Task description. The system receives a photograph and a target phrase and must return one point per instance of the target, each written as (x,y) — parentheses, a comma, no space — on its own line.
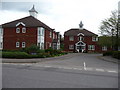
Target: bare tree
(109,26)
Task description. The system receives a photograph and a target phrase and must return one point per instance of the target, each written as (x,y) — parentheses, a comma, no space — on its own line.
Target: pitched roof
(75,32)
(29,21)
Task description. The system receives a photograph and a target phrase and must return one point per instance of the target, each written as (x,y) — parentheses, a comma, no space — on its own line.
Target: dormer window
(17,30)
(24,30)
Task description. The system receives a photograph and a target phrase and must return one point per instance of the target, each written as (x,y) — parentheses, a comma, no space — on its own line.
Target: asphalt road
(73,71)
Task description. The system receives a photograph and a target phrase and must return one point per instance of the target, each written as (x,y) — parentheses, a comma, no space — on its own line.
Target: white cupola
(33,12)
(81,25)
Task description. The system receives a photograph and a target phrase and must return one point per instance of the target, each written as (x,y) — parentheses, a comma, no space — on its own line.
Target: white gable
(20,23)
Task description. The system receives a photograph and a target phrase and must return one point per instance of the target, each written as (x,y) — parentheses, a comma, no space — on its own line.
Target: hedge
(115,54)
(15,55)
(23,55)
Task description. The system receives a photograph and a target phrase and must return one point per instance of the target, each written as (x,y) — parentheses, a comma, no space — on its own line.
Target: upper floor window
(94,38)
(50,34)
(17,44)
(24,30)
(53,36)
(104,48)
(71,46)
(17,30)
(42,31)
(91,47)
(23,44)
(80,38)
(71,38)
(1,31)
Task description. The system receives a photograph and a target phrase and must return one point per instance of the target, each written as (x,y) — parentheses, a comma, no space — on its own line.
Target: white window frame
(104,48)
(53,36)
(1,31)
(50,45)
(23,44)
(17,44)
(71,47)
(94,38)
(23,30)
(71,38)
(50,34)
(91,47)
(17,30)
(1,45)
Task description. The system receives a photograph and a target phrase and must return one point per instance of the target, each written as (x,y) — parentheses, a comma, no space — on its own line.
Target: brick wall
(11,37)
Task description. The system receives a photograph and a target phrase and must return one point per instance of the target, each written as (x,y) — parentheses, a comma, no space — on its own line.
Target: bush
(32,52)
(116,54)
(108,53)
(31,49)
(15,55)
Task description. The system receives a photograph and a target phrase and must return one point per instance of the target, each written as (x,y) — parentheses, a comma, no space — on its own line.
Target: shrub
(108,53)
(15,55)
(116,54)
(31,49)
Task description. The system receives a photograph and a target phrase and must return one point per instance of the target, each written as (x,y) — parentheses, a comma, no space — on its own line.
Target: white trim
(20,23)
(71,47)
(71,38)
(80,45)
(17,44)
(81,34)
(84,45)
(104,48)
(91,47)
(23,44)
(17,30)
(23,30)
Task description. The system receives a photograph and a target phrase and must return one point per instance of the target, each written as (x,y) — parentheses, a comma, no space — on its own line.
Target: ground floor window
(17,44)
(91,47)
(1,45)
(23,44)
(54,46)
(104,48)
(71,46)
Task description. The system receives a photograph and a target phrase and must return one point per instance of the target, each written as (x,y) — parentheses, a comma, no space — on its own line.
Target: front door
(80,46)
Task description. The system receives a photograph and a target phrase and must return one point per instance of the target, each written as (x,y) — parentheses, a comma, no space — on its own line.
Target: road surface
(76,70)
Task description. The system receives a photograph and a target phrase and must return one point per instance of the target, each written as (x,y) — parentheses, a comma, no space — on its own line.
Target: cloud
(41,7)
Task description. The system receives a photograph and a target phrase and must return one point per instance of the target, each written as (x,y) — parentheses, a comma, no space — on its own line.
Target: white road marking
(99,69)
(47,66)
(89,69)
(60,67)
(112,71)
(84,65)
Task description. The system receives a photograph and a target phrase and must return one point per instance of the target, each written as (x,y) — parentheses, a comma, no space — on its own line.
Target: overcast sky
(61,15)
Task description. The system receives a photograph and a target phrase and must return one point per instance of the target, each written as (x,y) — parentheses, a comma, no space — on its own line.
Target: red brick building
(81,40)
(27,31)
